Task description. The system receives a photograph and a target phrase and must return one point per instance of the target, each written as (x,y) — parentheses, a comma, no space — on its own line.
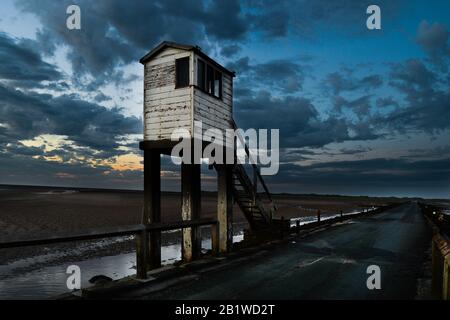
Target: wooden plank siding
(165,108)
(214,113)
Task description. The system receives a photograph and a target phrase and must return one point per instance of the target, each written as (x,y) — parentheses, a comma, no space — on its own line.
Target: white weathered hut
(182,85)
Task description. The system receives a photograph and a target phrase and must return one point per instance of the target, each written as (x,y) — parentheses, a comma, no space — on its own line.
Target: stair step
(243,194)
(252,210)
(246,198)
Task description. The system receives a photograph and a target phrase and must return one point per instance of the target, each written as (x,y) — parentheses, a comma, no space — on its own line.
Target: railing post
(225,207)
(152,204)
(190,210)
(141,254)
(446,279)
(437,270)
(255,184)
(282,227)
(215,245)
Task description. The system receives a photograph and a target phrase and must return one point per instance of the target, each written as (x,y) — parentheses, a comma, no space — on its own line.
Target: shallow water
(49,282)
(311,219)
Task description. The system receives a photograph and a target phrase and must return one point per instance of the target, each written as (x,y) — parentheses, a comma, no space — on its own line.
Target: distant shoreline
(136,191)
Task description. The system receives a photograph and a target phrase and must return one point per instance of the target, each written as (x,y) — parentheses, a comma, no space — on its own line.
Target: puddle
(49,282)
(311,219)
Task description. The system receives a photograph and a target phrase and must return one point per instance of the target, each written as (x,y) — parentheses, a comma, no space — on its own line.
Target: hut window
(217,84)
(209,79)
(182,72)
(201,69)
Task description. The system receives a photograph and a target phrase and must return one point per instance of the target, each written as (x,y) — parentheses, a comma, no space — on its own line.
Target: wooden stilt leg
(191,209)
(225,208)
(152,204)
(141,255)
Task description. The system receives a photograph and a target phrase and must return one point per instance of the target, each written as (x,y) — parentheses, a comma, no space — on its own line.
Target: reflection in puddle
(310,219)
(51,281)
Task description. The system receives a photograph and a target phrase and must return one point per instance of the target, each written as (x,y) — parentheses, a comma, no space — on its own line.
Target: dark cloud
(230,50)
(386,102)
(101,97)
(16,168)
(426,105)
(28,115)
(354,151)
(283,75)
(22,62)
(412,75)
(371,177)
(273,23)
(306,18)
(433,38)
(299,121)
(340,82)
(115,32)
(360,106)
(437,152)
(224,20)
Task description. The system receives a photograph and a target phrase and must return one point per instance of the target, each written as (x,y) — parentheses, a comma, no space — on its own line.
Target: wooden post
(191,209)
(152,205)
(225,207)
(141,255)
(215,245)
(255,186)
(446,280)
(436,270)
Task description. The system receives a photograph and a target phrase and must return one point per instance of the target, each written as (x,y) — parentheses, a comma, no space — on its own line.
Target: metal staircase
(257,207)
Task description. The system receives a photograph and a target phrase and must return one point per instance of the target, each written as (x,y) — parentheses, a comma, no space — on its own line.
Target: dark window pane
(210,80)
(201,75)
(182,72)
(218,84)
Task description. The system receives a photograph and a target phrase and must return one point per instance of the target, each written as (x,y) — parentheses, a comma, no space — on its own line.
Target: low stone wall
(440,264)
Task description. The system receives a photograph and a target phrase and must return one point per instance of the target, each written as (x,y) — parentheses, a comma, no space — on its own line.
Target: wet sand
(33,212)
(28,212)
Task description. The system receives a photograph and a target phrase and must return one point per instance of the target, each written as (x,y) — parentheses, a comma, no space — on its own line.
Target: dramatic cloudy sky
(360,112)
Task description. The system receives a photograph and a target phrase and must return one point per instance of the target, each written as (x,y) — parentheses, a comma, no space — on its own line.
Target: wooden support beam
(191,210)
(141,255)
(215,244)
(437,269)
(446,279)
(225,207)
(152,205)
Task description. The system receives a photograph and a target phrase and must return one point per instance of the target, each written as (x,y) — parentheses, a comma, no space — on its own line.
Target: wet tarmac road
(331,264)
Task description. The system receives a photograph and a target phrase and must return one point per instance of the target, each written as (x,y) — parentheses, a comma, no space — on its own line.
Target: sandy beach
(27,212)
(33,212)
(39,212)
